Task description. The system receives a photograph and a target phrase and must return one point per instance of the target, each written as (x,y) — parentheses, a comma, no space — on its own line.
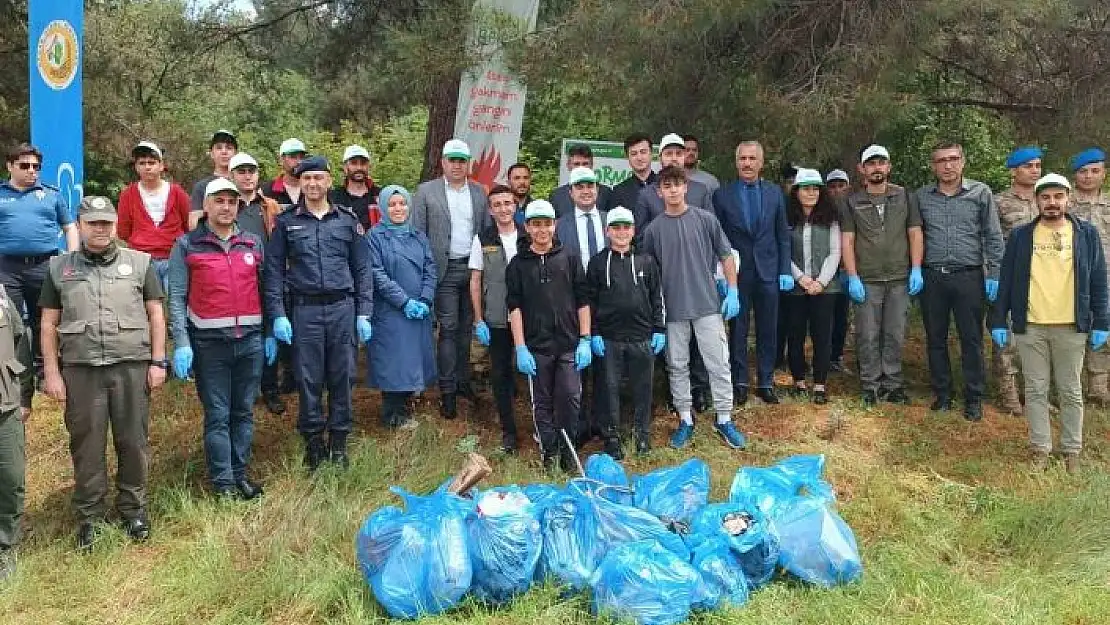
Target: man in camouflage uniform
(1091,202)
(1016,207)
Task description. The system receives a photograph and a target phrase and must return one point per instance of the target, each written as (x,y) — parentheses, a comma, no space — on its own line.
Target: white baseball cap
(240,159)
(874,151)
(1051,180)
(456,148)
(671,139)
(144,146)
(218,184)
(808,178)
(620,215)
(355,151)
(582,174)
(539,208)
(292,146)
(837,174)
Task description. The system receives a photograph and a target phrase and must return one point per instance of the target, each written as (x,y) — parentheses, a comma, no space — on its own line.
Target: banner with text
(610,164)
(491,102)
(56,36)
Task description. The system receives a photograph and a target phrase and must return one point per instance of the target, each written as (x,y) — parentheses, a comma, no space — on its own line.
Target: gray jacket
(961,230)
(430,216)
(649,205)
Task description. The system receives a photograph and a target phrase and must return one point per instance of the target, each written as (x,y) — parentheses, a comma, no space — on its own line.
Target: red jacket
(135,227)
(224,297)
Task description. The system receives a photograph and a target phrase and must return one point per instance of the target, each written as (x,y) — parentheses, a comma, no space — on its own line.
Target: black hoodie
(626,299)
(548,289)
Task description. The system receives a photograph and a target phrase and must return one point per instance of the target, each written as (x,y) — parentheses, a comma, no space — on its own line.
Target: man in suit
(649,204)
(581,232)
(450,211)
(752,212)
(579,155)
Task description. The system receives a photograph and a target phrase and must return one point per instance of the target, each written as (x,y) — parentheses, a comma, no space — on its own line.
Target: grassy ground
(951,527)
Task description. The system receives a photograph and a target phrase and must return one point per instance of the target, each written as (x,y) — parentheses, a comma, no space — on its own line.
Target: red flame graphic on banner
(485,170)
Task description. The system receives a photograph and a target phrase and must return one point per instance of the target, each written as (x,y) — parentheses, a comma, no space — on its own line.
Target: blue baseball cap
(1023,155)
(1086,157)
(312,163)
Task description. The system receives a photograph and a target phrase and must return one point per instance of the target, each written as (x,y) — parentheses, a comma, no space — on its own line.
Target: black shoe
(225,492)
(898,396)
(767,394)
(288,386)
(138,529)
(701,403)
(86,536)
(643,444)
(869,399)
(820,397)
(467,392)
(739,395)
(973,411)
(941,404)
(315,452)
(508,443)
(836,366)
(567,460)
(248,490)
(274,403)
(337,451)
(449,406)
(613,448)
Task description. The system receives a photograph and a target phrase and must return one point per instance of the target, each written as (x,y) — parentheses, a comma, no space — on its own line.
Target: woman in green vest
(815,260)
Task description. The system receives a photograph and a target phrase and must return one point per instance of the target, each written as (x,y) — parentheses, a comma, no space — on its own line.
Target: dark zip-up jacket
(1090,279)
(548,289)
(626,298)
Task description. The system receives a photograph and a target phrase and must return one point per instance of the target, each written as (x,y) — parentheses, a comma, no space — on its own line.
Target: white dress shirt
(582,220)
(461,210)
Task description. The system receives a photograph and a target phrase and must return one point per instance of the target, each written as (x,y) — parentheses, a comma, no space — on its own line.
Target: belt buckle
(945,270)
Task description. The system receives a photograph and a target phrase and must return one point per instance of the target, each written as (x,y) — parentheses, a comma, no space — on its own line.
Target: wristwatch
(161,364)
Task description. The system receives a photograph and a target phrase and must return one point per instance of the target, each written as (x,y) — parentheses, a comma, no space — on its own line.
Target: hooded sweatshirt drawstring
(609,259)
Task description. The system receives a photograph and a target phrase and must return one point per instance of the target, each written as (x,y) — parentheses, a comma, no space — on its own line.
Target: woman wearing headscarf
(402,351)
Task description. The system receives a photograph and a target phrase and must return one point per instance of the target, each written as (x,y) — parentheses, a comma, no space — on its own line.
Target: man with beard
(649,203)
(579,155)
(637,149)
(520,182)
(881,244)
(1090,202)
(286,188)
(359,193)
(691,162)
(1053,288)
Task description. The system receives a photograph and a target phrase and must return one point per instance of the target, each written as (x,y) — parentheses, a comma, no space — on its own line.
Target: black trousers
(395,407)
(595,399)
(812,316)
(840,326)
(556,398)
(956,295)
(637,362)
(502,377)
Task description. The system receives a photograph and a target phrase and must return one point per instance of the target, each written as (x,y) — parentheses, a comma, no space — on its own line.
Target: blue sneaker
(730,435)
(682,436)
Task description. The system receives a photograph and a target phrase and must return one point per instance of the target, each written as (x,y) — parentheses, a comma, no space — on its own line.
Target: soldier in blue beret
(1089,201)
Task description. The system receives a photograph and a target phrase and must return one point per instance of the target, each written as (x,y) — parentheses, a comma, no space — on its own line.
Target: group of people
(273,286)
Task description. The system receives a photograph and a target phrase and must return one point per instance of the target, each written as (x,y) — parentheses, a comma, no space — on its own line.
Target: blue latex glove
(992,290)
(583,356)
(1098,338)
(658,342)
(731,306)
(411,309)
(183,361)
(1001,336)
(525,363)
(598,345)
(786,283)
(916,281)
(283,331)
(424,310)
(270,350)
(855,289)
(365,332)
(481,330)
(722,288)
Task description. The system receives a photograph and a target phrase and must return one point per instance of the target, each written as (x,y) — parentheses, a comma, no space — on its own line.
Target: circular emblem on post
(248,258)
(57,54)
(125,270)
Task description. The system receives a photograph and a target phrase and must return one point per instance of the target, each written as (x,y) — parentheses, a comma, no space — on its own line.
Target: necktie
(591,235)
(751,197)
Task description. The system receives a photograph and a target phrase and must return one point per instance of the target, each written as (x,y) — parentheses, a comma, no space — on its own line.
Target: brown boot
(1008,395)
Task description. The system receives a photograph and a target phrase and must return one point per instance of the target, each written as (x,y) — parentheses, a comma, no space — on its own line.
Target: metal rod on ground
(573,451)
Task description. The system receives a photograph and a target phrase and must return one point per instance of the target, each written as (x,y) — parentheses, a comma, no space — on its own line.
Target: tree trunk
(441,124)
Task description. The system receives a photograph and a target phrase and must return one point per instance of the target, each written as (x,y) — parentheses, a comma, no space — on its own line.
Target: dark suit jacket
(560,199)
(430,216)
(765,248)
(566,231)
(649,205)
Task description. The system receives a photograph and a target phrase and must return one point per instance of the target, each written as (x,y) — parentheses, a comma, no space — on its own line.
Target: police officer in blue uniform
(31,213)
(317,249)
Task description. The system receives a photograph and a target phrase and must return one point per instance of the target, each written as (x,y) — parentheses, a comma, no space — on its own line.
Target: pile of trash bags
(649,548)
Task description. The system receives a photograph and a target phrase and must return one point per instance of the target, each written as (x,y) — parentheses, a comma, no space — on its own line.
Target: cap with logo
(218,184)
(96,208)
(808,178)
(837,174)
(1023,155)
(1086,157)
(146,148)
(312,163)
(539,209)
(874,151)
(671,139)
(620,215)
(456,148)
(582,174)
(223,136)
(1051,180)
(240,160)
(292,146)
(355,151)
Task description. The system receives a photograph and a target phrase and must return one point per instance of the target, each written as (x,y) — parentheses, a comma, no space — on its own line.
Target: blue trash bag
(818,547)
(723,583)
(604,469)
(505,544)
(417,561)
(645,583)
(747,534)
(806,475)
(618,524)
(674,494)
(770,488)
(541,496)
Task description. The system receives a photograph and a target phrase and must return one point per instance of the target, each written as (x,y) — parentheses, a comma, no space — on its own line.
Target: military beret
(312,163)
(1023,155)
(1086,157)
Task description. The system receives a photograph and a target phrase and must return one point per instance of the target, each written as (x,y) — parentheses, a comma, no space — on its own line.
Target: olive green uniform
(105,352)
(1013,211)
(16,389)
(1097,363)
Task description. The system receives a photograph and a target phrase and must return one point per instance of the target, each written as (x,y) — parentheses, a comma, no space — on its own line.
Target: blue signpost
(57,32)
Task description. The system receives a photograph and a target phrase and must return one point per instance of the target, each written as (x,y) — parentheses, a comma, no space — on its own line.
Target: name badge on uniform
(293,228)
(125,269)
(491,248)
(248,258)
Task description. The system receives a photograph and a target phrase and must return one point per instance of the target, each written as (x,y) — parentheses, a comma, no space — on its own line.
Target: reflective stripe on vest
(223,322)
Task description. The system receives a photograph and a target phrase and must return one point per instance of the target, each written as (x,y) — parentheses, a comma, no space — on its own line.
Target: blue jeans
(227,374)
(162,268)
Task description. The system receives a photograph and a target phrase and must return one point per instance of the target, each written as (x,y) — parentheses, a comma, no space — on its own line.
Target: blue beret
(312,163)
(1023,155)
(1086,157)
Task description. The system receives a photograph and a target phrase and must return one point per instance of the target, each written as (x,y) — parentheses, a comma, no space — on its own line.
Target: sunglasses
(24,165)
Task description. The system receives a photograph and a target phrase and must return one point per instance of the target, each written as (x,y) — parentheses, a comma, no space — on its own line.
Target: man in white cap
(649,205)
(359,193)
(578,155)
(1052,290)
(152,212)
(450,210)
(286,188)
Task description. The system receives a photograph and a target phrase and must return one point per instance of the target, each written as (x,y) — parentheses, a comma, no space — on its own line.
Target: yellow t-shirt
(1052,276)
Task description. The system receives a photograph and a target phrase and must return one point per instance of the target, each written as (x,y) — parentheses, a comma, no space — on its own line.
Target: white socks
(724,417)
(686,417)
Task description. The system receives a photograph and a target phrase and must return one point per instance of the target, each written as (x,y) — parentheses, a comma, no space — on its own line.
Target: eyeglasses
(24,165)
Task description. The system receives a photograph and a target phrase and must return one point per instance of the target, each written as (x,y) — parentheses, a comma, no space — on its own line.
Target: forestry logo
(57,54)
